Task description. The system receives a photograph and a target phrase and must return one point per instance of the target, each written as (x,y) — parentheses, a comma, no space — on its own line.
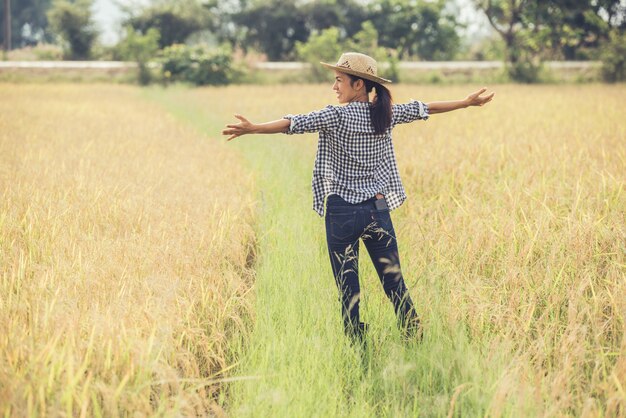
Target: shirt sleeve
(320,120)
(408,112)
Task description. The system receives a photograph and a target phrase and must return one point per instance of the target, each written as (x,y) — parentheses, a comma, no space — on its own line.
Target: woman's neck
(361,98)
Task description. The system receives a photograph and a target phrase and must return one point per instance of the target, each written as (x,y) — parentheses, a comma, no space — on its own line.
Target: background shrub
(325,46)
(614,58)
(140,48)
(72,22)
(198,65)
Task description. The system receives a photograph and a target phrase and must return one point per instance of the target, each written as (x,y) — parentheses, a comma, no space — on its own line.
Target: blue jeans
(346,223)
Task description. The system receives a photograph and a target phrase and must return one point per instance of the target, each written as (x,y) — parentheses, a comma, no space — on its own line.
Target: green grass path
(297,359)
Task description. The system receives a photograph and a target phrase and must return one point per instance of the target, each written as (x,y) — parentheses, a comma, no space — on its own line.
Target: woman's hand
(246,127)
(241,128)
(475,99)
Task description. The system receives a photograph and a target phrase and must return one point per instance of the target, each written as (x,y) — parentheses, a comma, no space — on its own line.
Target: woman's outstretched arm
(246,127)
(474,99)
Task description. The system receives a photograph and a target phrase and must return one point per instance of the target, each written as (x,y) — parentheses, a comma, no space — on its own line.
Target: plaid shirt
(352,161)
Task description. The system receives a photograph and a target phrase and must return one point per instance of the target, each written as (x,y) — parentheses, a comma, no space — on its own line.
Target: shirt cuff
(290,119)
(422,110)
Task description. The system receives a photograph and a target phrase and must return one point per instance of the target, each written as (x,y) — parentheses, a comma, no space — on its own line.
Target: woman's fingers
(236,132)
(241,118)
(479,92)
(477,100)
(238,129)
(488,98)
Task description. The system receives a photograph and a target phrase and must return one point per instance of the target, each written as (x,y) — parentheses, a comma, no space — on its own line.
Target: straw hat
(360,65)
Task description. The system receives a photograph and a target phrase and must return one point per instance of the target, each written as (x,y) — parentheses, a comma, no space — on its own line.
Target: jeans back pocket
(342,225)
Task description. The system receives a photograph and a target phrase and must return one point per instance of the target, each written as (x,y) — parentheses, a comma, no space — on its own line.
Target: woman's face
(347,92)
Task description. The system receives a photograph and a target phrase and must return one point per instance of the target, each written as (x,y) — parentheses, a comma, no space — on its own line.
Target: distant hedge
(198,65)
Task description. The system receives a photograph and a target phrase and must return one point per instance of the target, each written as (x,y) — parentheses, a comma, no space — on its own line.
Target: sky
(108,16)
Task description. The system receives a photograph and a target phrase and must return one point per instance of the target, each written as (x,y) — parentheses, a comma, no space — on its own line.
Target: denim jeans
(346,223)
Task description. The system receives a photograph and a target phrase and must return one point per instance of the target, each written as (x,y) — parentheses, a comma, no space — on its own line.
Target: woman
(355,172)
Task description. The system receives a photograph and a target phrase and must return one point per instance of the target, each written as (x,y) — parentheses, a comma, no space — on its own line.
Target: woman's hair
(380,111)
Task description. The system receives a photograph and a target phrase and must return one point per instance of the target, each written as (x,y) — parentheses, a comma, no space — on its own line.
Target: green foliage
(276,26)
(525,70)
(524,63)
(518,23)
(614,58)
(392,72)
(413,28)
(198,65)
(533,30)
(174,27)
(29,24)
(325,46)
(45,52)
(346,15)
(273,27)
(72,22)
(488,49)
(416,29)
(141,49)
(578,28)
(40,52)
(366,42)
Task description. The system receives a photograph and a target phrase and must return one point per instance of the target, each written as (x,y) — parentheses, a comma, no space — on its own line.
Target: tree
(614,57)
(413,27)
(327,46)
(140,48)
(416,28)
(72,22)
(345,15)
(273,27)
(324,46)
(29,23)
(199,65)
(7,25)
(174,28)
(579,27)
(532,28)
(366,42)
(508,19)
(175,20)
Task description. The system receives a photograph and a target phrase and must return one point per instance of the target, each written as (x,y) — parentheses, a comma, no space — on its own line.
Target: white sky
(108,17)
(106,14)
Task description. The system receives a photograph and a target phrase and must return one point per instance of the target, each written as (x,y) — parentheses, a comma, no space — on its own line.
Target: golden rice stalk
(125,254)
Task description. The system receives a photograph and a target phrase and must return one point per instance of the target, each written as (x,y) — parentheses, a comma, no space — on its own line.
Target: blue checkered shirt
(353,161)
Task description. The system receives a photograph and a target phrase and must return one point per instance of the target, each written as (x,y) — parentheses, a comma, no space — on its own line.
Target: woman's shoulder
(352,108)
(337,111)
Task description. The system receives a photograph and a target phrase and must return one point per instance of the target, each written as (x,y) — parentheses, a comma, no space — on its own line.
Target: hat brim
(356,73)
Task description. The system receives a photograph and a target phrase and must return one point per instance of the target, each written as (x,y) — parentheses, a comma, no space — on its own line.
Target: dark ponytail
(380,111)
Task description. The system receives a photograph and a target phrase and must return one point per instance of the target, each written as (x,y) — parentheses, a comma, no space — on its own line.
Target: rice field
(150,268)
(126,247)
